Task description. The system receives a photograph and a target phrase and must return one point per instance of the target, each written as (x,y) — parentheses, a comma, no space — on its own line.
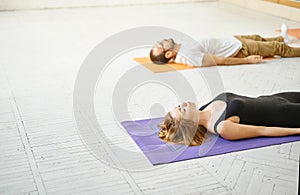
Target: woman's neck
(204,117)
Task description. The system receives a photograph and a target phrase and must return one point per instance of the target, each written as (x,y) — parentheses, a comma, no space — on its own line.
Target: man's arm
(212,60)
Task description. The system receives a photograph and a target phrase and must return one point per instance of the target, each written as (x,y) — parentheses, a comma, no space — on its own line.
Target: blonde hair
(181,131)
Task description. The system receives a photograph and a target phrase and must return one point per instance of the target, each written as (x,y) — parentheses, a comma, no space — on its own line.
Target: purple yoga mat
(144,133)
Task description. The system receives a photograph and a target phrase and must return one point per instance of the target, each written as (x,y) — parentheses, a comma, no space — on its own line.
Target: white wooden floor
(42,151)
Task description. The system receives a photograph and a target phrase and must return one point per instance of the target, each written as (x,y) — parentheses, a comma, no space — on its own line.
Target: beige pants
(266,47)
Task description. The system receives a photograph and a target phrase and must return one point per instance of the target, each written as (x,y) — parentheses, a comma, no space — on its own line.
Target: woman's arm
(234,131)
(212,60)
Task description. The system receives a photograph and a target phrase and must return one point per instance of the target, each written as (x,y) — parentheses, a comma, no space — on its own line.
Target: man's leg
(259,38)
(267,49)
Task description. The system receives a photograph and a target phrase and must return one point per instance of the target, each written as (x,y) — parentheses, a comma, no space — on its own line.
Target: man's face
(163,46)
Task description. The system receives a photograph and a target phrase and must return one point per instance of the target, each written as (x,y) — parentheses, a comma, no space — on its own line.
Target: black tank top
(277,110)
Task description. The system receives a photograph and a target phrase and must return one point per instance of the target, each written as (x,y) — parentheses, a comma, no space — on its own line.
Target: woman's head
(181,126)
(163,51)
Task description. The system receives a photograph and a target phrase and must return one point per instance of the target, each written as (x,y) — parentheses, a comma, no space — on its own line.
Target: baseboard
(14,5)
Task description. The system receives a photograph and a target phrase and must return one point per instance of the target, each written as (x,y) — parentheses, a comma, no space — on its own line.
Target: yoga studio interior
(84,107)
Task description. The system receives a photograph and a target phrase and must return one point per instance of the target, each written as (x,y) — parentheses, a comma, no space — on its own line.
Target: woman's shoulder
(221,96)
(225,95)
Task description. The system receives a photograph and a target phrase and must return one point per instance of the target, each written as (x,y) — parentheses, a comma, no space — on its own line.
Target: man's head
(164,51)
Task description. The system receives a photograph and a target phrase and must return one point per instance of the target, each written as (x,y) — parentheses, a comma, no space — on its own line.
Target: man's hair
(158,59)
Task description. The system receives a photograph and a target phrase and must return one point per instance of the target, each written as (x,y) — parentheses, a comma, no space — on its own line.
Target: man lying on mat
(241,49)
(233,117)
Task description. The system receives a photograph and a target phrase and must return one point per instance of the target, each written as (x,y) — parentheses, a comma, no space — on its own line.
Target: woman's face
(186,111)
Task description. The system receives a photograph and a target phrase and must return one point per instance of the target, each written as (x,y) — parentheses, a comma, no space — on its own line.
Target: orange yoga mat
(294,32)
(156,68)
(146,62)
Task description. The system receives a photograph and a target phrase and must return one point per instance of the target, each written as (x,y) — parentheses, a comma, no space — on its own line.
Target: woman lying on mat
(233,117)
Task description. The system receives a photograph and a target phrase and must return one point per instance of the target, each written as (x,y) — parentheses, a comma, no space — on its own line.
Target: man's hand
(254,59)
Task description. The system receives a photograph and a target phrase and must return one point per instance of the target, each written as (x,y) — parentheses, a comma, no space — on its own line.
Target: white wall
(275,9)
(48,4)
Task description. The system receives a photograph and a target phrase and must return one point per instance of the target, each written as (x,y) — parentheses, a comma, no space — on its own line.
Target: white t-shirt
(191,52)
